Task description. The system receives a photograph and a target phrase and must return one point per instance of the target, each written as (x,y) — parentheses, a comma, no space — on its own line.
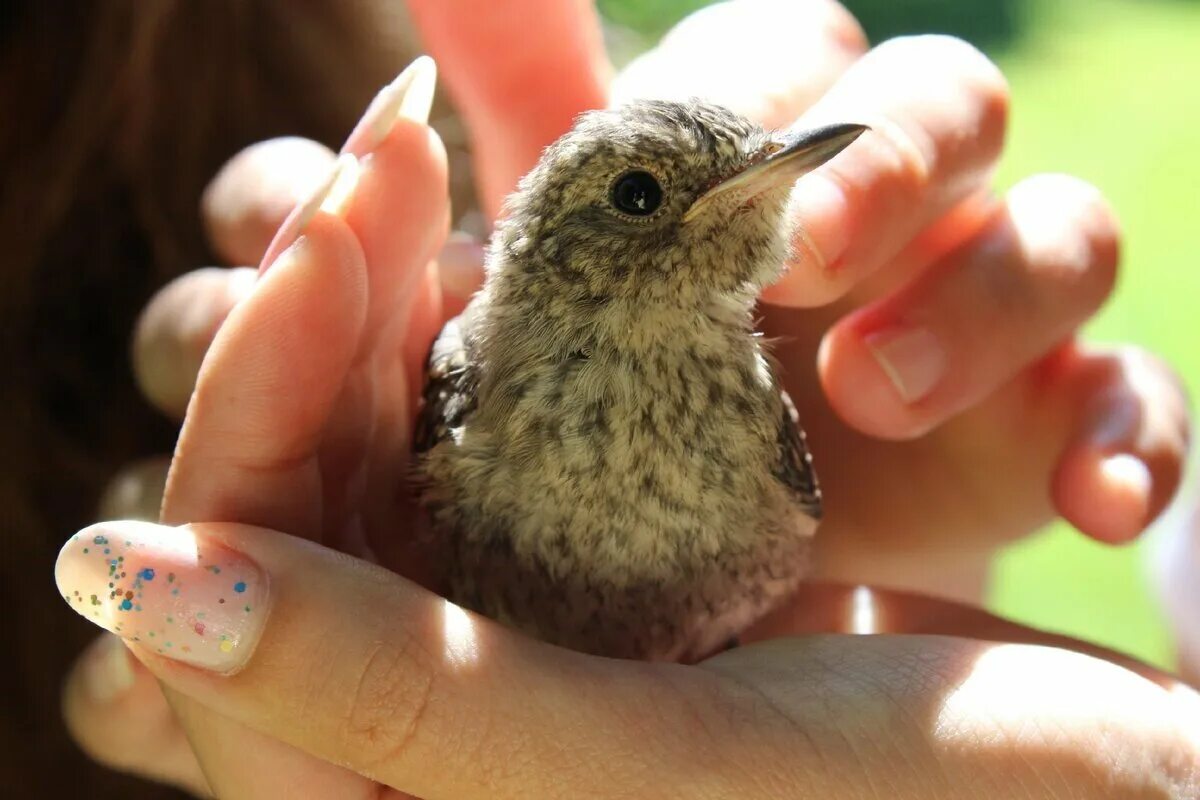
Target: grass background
(1108,90)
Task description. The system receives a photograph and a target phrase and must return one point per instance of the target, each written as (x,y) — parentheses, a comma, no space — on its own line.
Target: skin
(915,209)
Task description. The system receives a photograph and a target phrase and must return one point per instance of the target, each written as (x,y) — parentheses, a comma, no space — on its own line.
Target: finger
(175,329)
(425,697)
(516,105)
(926,716)
(840,608)
(401,177)
(937,108)
(460,271)
(243,764)
(248,445)
(766,59)
(136,491)
(115,711)
(1124,462)
(249,198)
(1038,269)
(391,680)
(286,351)
(280,366)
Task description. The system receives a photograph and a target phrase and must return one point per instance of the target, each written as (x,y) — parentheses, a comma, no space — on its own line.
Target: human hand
(928,328)
(847,550)
(382,238)
(414,696)
(924,483)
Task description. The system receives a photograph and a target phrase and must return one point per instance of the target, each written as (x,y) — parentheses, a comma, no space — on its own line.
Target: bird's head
(660,198)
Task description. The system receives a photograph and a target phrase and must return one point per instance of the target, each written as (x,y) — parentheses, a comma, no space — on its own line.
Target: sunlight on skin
(462,645)
(863,617)
(1010,687)
(1186,701)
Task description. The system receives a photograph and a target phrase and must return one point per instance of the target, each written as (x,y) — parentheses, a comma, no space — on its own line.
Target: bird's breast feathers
(662,450)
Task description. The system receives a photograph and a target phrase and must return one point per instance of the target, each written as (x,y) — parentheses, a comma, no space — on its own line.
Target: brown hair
(113,116)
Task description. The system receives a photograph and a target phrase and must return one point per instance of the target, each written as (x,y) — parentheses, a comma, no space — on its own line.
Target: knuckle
(388,703)
(834,19)
(1072,235)
(960,86)
(844,28)
(941,54)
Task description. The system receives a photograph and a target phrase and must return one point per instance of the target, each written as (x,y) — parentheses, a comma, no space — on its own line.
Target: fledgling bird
(605,451)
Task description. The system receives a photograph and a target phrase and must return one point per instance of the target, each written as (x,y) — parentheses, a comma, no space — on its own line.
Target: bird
(604,450)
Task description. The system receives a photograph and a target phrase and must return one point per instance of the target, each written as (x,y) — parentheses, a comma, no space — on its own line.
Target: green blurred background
(1108,90)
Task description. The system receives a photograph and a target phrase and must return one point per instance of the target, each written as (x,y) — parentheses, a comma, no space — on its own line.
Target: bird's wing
(450,387)
(795,468)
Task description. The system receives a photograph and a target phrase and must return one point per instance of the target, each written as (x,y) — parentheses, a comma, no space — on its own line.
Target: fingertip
(862,391)
(269,384)
(249,198)
(1041,207)
(1124,464)
(821,219)
(136,491)
(1107,497)
(107,689)
(176,329)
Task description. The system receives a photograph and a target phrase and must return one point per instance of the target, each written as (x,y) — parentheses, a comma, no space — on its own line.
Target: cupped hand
(927,327)
(414,696)
(302,426)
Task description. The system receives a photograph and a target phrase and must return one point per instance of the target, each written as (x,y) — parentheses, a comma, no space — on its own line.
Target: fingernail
(819,206)
(167,590)
(334,194)
(409,96)
(912,358)
(460,264)
(107,672)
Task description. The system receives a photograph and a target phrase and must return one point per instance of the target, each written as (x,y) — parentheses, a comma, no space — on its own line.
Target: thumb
(360,667)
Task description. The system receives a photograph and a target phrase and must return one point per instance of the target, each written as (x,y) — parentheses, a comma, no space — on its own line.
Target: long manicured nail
(912,358)
(107,672)
(167,590)
(334,194)
(409,96)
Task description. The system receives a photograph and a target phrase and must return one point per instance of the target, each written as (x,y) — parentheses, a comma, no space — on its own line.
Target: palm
(966,487)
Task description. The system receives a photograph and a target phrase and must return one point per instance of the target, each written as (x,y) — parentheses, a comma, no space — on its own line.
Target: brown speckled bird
(605,451)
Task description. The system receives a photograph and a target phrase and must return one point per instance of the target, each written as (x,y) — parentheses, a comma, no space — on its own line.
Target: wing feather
(795,469)
(450,388)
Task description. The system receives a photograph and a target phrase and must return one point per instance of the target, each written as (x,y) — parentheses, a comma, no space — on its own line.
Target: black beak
(788,156)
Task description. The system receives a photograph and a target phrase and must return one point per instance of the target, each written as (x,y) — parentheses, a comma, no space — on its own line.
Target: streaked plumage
(605,450)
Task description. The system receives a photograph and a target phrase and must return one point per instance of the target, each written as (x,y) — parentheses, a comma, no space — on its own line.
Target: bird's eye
(637,193)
